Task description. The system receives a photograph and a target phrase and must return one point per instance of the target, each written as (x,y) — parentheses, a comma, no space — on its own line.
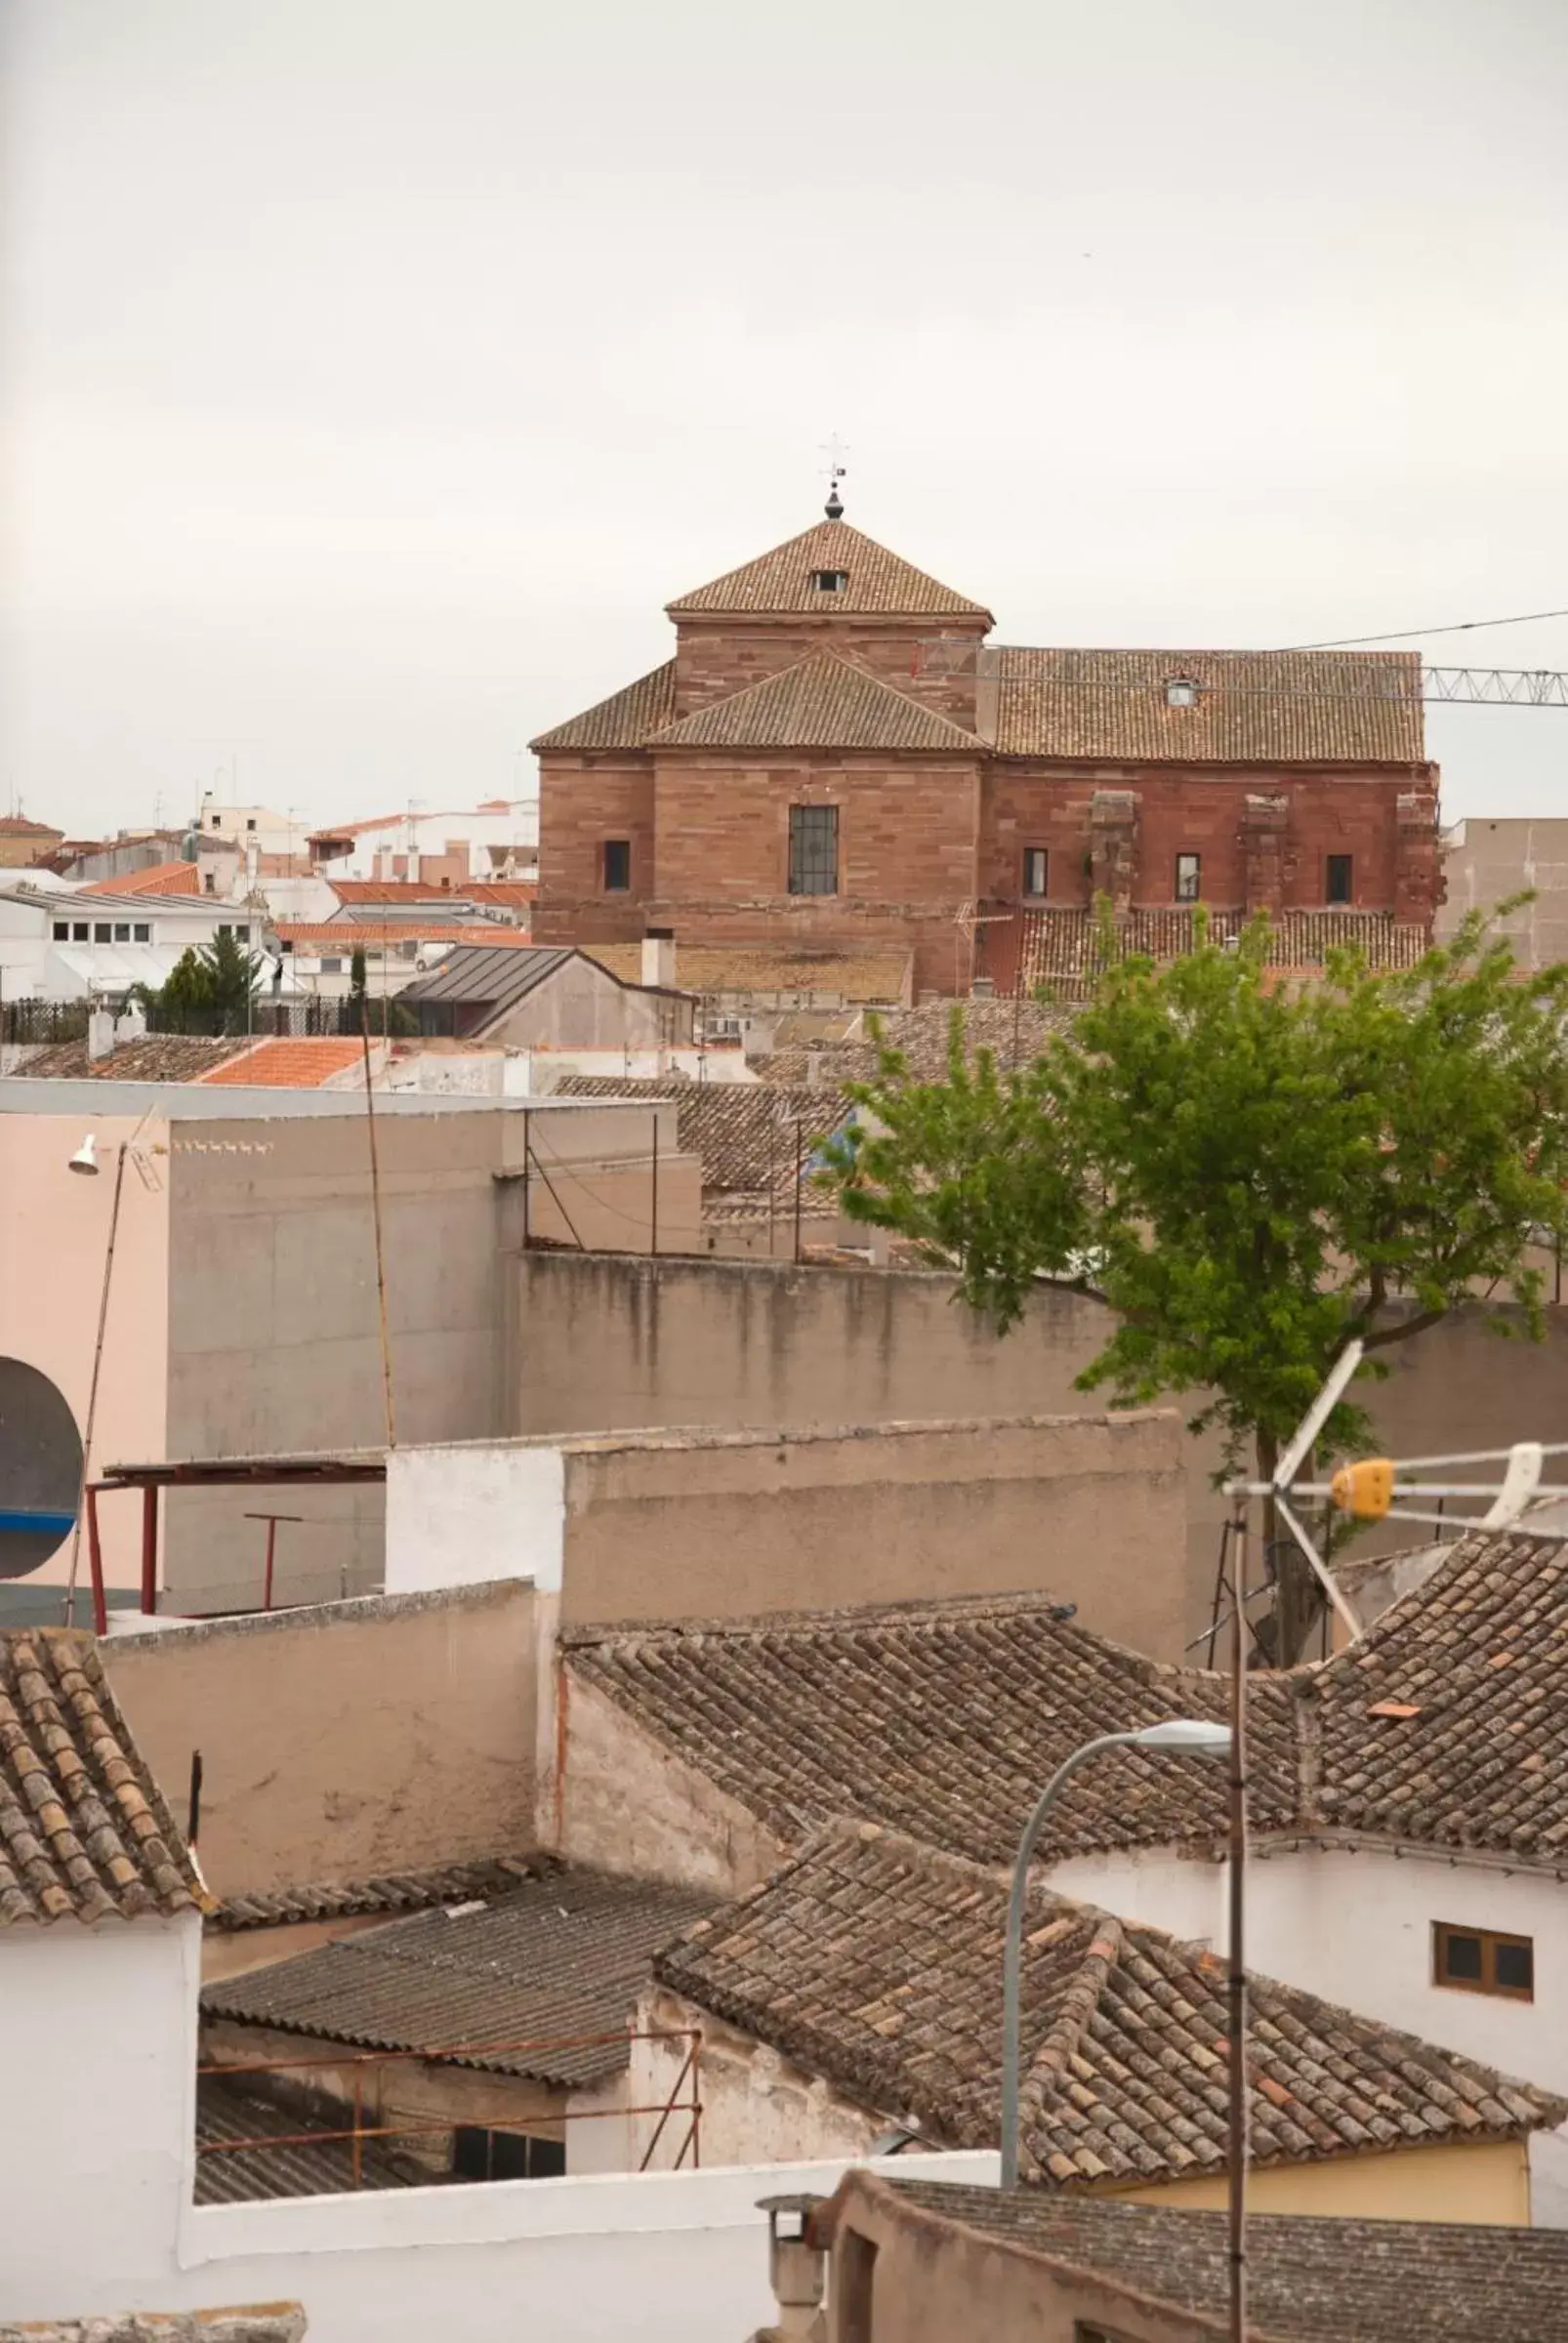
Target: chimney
(131,1025)
(797,2266)
(100,1035)
(658,956)
(983,989)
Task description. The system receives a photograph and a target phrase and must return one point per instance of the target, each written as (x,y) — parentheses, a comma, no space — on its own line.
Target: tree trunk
(1298,1597)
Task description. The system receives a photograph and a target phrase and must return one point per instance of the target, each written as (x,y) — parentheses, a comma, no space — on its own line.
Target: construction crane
(1377,681)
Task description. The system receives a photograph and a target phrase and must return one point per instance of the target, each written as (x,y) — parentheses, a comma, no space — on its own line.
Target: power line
(1462,626)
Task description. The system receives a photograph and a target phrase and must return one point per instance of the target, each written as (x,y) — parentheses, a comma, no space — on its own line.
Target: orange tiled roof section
(162,878)
(277,1065)
(873,1960)
(1252,707)
(622,721)
(422,890)
(84,1830)
(822,702)
(784,582)
(344,934)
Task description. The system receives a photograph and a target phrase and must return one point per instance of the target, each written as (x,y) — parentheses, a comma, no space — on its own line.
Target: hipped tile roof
(783,582)
(84,1830)
(1252,707)
(939,1718)
(884,1714)
(158,879)
(748,1135)
(539,1969)
(289,1065)
(624,720)
(1308,2280)
(822,702)
(160,1058)
(388,1892)
(876,1961)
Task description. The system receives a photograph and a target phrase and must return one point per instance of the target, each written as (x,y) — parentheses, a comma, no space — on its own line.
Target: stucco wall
(757,2107)
(338,1743)
(1489,2182)
(53,1235)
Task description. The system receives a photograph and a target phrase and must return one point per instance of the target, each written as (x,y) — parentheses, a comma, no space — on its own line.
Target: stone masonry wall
(722,656)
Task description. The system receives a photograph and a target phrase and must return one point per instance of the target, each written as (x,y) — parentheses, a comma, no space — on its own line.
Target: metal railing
(360,2062)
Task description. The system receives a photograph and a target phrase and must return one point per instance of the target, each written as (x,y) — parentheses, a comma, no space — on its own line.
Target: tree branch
(1402,1333)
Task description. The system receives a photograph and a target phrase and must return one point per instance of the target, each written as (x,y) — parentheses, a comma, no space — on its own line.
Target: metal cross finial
(835,450)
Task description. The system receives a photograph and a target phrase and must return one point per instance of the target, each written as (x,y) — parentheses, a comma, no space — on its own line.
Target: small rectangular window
(62,931)
(1337,886)
(617,865)
(79,932)
(223,926)
(1187,878)
(122,931)
(1036,864)
(1479,1960)
(102,932)
(250,821)
(216,821)
(332,968)
(141,932)
(830,581)
(244,931)
(813,849)
(480,2154)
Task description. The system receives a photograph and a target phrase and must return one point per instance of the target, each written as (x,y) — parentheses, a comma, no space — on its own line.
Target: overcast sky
(375,370)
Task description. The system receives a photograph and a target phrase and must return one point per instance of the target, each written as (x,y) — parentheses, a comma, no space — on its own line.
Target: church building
(837,759)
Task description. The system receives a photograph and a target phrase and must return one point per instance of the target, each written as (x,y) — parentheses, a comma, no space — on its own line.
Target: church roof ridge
(878,582)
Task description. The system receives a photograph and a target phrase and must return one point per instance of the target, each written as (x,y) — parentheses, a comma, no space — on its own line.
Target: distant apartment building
(1486,862)
(497,840)
(836,758)
(24,842)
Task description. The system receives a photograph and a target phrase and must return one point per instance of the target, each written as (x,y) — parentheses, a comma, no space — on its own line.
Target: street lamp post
(1186,1736)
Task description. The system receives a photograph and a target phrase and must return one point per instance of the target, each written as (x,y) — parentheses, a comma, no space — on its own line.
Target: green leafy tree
(185,998)
(1248,1171)
(359,980)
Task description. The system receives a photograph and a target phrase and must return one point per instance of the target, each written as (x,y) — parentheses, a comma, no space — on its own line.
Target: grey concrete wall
(273,1325)
(582,1007)
(1090,1509)
(612,1342)
(344,1741)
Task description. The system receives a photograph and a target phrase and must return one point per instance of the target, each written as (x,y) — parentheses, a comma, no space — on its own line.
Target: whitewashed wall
(1357,1928)
(457,1516)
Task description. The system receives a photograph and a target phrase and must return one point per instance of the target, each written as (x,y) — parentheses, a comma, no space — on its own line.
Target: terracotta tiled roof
(344,934)
(278,1065)
(388,1892)
(622,721)
(1308,2280)
(549,1963)
(160,1058)
(1014,1032)
(747,1134)
(823,701)
(875,1961)
(287,2166)
(18,825)
(512,893)
(880,1713)
(717,970)
(1260,707)
(84,1831)
(1479,1653)
(160,878)
(880,585)
(262,2322)
(394,891)
(1066,949)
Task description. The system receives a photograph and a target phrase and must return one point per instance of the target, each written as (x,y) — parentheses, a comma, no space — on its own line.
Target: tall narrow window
(813,849)
(1188,878)
(1035,866)
(617,865)
(1339,887)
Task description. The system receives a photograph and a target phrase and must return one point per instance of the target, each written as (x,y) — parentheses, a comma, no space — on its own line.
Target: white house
(76,943)
(497,840)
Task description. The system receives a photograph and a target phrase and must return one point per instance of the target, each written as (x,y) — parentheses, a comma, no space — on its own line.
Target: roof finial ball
(835,451)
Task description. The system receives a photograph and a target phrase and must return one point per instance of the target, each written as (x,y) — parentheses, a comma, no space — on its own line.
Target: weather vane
(835,450)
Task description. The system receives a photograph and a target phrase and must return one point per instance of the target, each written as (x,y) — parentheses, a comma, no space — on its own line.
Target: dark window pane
(142,932)
(1337,888)
(102,932)
(470,2151)
(546,2160)
(1516,1967)
(617,865)
(813,849)
(830,581)
(1462,1957)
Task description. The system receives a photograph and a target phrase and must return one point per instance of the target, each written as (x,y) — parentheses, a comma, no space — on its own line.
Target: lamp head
(1188,1736)
(86,1157)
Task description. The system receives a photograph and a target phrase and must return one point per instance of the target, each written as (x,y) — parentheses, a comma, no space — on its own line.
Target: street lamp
(1185,1736)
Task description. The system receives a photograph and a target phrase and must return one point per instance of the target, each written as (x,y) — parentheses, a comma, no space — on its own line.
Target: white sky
(375,370)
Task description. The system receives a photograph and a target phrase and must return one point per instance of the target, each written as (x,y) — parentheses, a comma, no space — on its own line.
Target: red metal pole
(358,2128)
(150,1547)
(95,1563)
(272,1541)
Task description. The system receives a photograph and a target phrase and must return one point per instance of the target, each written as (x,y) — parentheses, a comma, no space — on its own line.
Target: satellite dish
(40,1468)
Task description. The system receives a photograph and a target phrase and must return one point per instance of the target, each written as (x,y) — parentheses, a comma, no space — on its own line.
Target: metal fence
(307,1017)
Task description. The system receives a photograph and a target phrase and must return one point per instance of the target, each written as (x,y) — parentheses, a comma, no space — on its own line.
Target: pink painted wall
(53,1231)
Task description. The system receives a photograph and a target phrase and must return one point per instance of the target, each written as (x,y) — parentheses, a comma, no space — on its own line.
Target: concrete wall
(364,1737)
(1486,861)
(618,1342)
(582,1007)
(273,1324)
(671,1525)
(1486,2181)
(54,1236)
